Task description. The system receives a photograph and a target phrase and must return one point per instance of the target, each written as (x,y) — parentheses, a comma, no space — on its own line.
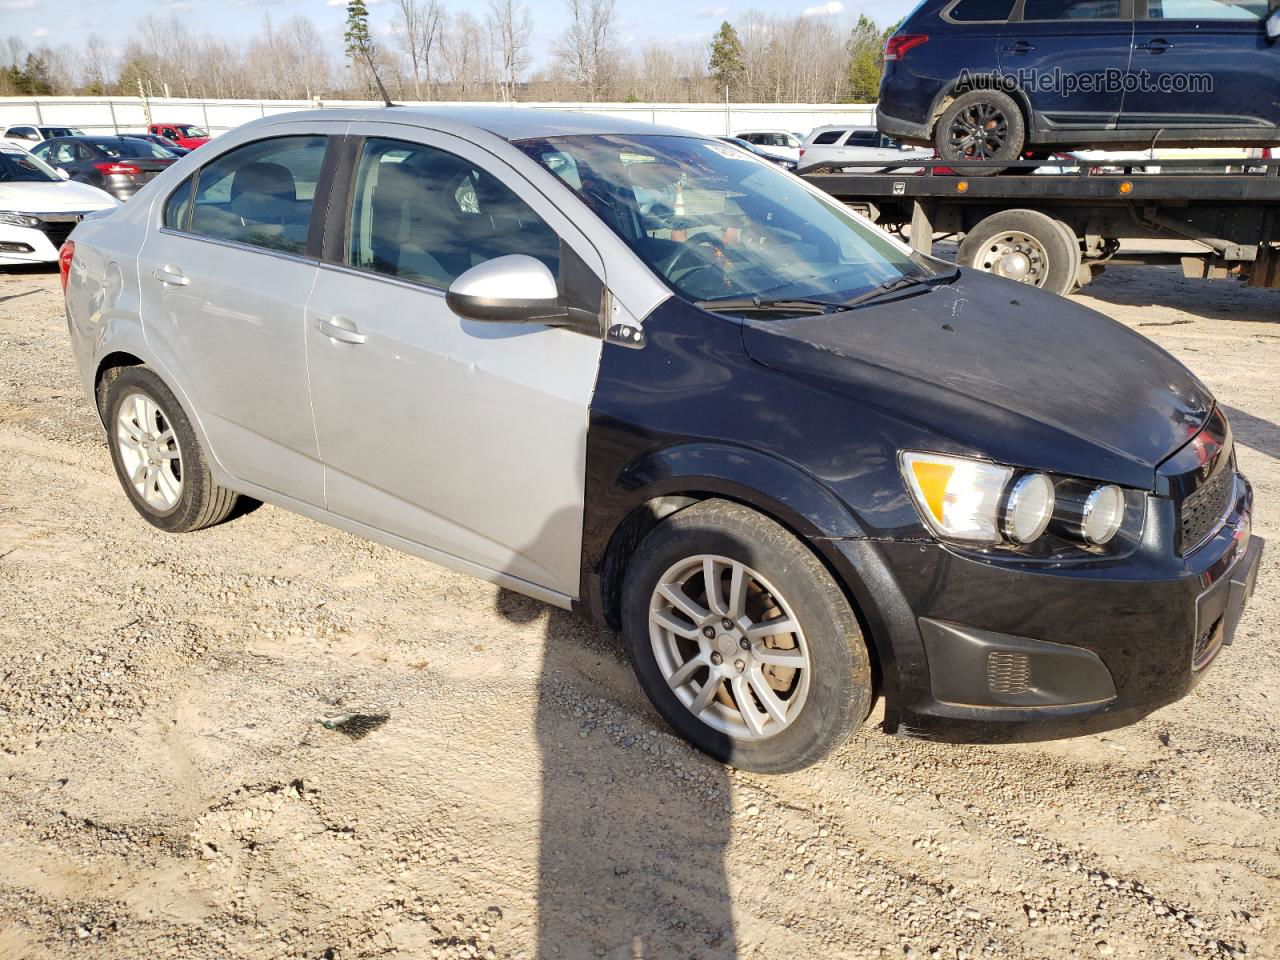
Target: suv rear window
(977,11)
(831,136)
(1071,10)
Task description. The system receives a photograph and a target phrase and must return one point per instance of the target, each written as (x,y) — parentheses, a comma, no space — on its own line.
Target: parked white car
(27,135)
(845,142)
(38,208)
(776,143)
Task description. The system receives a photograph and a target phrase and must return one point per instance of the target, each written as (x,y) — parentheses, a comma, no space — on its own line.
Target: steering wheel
(690,249)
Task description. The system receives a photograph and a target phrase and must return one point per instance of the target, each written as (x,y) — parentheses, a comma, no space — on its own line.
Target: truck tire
(766,668)
(984,125)
(1026,246)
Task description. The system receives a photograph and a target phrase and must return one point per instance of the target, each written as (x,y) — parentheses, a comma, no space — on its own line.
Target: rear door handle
(170,276)
(341,329)
(1155,46)
(1021,46)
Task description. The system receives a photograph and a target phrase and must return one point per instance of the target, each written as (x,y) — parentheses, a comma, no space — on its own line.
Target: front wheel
(743,641)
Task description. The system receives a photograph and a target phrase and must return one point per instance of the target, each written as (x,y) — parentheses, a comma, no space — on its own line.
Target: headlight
(18,219)
(978,502)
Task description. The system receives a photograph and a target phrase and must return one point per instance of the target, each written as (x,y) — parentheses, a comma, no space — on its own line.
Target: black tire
(200,502)
(1073,242)
(994,118)
(839,688)
(1052,262)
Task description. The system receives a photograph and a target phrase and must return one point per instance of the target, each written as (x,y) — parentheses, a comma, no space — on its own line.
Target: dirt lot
(167,791)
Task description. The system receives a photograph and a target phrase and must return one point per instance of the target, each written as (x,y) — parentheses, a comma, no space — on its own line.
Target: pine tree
(726,63)
(359,43)
(866,60)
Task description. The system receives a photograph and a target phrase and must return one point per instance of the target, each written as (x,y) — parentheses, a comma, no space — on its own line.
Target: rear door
(465,438)
(1208,67)
(225,275)
(1069,57)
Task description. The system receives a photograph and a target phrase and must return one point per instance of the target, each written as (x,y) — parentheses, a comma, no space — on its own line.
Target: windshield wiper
(777,304)
(904,282)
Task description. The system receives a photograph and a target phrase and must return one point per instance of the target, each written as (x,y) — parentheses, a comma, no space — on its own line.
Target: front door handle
(1155,46)
(170,276)
(1021,46)
(341,329)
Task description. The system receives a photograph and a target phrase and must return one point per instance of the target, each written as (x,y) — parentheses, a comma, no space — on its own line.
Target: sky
(68,21)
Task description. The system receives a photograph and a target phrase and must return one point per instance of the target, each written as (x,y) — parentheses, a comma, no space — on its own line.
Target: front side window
(428,216)
(24,168)
(261,193)
(1071,10)
(716,223)
(1206,10)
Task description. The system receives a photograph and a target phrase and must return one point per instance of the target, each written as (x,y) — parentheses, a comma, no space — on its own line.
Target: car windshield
(189,131)
(716,223)
(131,147)
(24,168)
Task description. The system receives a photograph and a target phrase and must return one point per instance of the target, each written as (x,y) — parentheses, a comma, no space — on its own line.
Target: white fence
(130,114)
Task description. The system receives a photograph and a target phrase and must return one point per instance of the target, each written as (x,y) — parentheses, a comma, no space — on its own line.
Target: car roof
(509,123)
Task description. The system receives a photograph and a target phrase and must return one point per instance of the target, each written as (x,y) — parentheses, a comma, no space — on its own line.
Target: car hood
(987,367)
(62,196)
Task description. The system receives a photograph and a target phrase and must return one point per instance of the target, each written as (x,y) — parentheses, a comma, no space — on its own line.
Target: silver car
(649,376)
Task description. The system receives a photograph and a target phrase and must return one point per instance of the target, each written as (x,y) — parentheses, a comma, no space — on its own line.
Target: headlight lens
(978,502)
(18,219)
(1028,509)
(958,498)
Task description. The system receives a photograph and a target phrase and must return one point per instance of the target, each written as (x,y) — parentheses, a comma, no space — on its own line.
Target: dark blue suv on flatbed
(997,79)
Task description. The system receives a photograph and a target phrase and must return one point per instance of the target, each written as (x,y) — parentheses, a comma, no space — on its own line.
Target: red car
(183,134)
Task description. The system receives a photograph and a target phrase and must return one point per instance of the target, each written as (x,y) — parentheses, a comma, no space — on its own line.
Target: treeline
(434,52)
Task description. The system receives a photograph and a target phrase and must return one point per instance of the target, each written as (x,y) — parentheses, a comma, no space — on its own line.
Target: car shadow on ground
(1164,287)
(609,885)
(1254,432)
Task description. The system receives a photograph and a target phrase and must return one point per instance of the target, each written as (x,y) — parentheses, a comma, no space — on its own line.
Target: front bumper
(26,245)
(981,651)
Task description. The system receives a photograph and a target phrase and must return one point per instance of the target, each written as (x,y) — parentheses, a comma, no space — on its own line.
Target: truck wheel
(980,125)
(743,641)
(157,457)
(1026,246)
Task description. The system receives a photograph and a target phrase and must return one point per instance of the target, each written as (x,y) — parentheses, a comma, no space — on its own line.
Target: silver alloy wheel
(1016,256)
(729,646)
(149,452)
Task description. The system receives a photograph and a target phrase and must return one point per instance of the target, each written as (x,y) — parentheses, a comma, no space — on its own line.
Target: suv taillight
(117,168)
(65,255)
(900,43)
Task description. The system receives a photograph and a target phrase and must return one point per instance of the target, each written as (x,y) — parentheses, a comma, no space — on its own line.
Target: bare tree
(510,30)
(463,53)
(587,51)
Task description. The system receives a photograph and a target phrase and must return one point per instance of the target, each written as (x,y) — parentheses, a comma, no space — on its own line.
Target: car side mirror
(516,288)
(64,173)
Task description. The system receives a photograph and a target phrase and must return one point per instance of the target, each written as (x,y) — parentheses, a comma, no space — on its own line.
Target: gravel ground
(505,789)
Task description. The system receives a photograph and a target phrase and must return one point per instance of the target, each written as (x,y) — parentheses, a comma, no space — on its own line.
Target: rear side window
(863,138)
(260,194)
(1071,10)
(428,216)
(178,206)
(978,11)
(831,136)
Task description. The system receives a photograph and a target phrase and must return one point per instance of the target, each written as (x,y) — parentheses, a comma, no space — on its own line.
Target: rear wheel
(743,641)
(982,125)
(157,457)
(1026,246)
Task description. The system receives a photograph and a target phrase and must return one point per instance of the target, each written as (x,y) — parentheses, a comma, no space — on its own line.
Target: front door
(1061,53)
(464,438)
(225,278)
(1207,66)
